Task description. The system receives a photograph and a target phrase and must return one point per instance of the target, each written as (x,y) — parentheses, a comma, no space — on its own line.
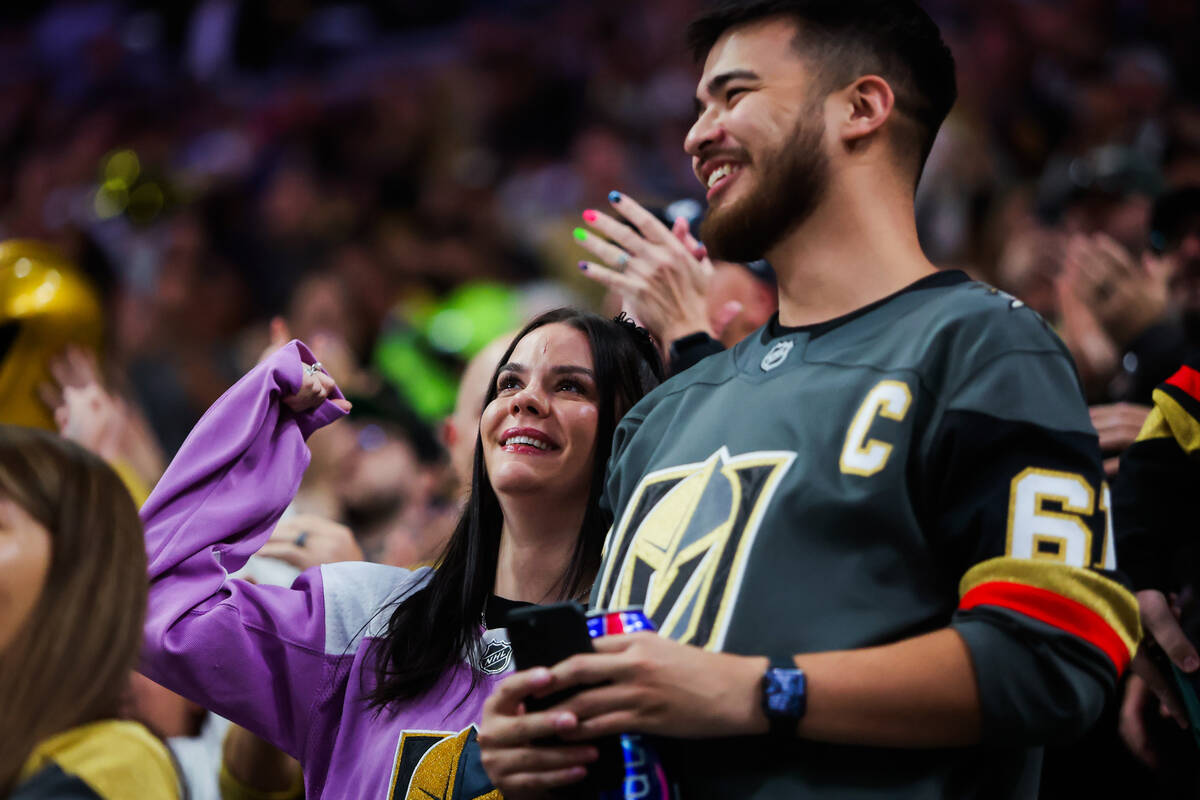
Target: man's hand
(658,686)
(306,540)
(1118,425)
(1162,626)
(1126,296)
(662,275)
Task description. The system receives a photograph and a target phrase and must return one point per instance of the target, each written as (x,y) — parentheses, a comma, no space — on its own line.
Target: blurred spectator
(401,181)
(73,574)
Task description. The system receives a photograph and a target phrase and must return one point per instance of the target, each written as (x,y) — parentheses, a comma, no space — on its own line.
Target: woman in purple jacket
(374,676)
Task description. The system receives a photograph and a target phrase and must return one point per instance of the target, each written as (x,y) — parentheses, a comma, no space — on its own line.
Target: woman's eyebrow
(575,369)
(560,369)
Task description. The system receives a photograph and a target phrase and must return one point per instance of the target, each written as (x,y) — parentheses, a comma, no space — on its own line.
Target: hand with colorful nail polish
(661,274)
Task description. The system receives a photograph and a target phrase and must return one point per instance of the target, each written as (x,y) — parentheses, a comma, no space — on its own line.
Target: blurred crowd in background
(396,184)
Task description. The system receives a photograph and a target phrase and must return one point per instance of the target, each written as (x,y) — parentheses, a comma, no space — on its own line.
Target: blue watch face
(784,692)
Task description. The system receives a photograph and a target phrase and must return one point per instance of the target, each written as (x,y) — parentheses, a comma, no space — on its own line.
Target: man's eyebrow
(718,81)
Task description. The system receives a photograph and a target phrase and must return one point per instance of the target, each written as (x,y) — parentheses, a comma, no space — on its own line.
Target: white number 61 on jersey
(1038,532)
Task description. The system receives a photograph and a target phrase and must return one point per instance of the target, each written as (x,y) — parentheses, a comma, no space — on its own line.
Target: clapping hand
(83,409)
(1126,296)
(661,274)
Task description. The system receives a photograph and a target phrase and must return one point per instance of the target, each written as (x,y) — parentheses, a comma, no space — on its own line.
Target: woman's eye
(507,383)
(571,386)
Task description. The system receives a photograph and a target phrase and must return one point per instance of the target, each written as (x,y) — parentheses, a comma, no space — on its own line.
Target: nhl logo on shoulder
(777,355)
(496,657)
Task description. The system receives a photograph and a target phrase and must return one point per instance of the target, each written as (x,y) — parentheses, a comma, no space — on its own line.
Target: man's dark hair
(846,39)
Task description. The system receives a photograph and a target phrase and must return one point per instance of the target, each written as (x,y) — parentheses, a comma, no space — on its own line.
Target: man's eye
(734,92)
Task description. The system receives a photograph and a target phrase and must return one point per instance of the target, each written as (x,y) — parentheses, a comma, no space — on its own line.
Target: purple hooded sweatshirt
(293,665)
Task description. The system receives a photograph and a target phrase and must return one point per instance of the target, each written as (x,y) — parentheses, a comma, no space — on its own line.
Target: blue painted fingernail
(614,196)
(583,265)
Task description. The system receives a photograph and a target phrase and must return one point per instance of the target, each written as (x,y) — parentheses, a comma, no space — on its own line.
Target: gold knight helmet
(45,305)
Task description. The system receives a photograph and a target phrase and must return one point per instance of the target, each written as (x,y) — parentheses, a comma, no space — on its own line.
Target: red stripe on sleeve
(1188,380)
(1053,609)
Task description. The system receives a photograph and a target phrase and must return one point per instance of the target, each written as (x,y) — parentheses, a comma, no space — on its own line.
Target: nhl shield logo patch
(777,355)
(496,657)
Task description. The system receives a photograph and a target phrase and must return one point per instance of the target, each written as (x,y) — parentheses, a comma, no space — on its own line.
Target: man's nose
(705,130)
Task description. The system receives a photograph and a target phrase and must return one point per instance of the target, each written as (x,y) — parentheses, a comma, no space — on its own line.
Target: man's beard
(792,182)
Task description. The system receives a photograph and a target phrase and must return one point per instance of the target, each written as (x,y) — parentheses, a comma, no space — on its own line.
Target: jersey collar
(774,330)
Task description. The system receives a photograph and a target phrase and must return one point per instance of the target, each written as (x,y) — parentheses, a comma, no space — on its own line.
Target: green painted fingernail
(579,233)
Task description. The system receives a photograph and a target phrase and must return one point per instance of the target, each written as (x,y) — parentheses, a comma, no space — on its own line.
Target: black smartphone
(542,636)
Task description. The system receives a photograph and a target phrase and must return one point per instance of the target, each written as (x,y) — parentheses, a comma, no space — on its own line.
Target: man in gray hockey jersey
(874,535)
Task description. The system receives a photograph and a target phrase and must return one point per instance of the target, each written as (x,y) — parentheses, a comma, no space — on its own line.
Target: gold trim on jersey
(1169,418)
(684,559)
(1115,604)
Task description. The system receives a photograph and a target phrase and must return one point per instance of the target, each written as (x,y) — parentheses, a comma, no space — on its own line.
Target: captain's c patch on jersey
(681,548)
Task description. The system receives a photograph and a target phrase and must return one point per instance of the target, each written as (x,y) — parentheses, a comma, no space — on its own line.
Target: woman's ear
(867,104)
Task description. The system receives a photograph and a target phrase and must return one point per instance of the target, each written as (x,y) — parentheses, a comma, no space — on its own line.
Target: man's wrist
(744,714)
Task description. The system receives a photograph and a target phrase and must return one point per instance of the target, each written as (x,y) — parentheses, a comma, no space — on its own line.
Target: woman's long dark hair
(429,632)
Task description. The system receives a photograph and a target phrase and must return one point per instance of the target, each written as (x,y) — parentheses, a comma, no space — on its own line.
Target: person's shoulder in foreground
(108,760)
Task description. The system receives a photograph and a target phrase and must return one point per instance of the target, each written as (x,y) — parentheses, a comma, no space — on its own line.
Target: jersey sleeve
(254,654)
(1152,496)
(1013,499)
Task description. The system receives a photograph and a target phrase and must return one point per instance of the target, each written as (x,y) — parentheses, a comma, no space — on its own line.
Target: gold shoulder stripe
(1109,599)
(1155,426)
(1183,426)
(119,760)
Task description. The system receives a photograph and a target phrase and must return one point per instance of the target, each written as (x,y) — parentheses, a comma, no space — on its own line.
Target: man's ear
(868,103)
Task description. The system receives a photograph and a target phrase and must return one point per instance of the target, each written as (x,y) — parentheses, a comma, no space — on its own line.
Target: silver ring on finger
(622,260)
(313,368)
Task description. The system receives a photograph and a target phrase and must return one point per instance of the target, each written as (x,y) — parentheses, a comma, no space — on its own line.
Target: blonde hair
(70,660)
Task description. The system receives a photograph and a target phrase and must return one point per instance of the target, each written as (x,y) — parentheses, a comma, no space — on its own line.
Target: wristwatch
(784,696)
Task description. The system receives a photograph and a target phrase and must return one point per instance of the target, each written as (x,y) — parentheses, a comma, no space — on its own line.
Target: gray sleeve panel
(1036,387)
(1037,685)
(1009,364)
(355,593)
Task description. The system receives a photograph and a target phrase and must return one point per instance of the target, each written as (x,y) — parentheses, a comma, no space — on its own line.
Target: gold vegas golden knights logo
(432,765)
(680,550)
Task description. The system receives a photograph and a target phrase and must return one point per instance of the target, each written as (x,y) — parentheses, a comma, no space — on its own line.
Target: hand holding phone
(542,636)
